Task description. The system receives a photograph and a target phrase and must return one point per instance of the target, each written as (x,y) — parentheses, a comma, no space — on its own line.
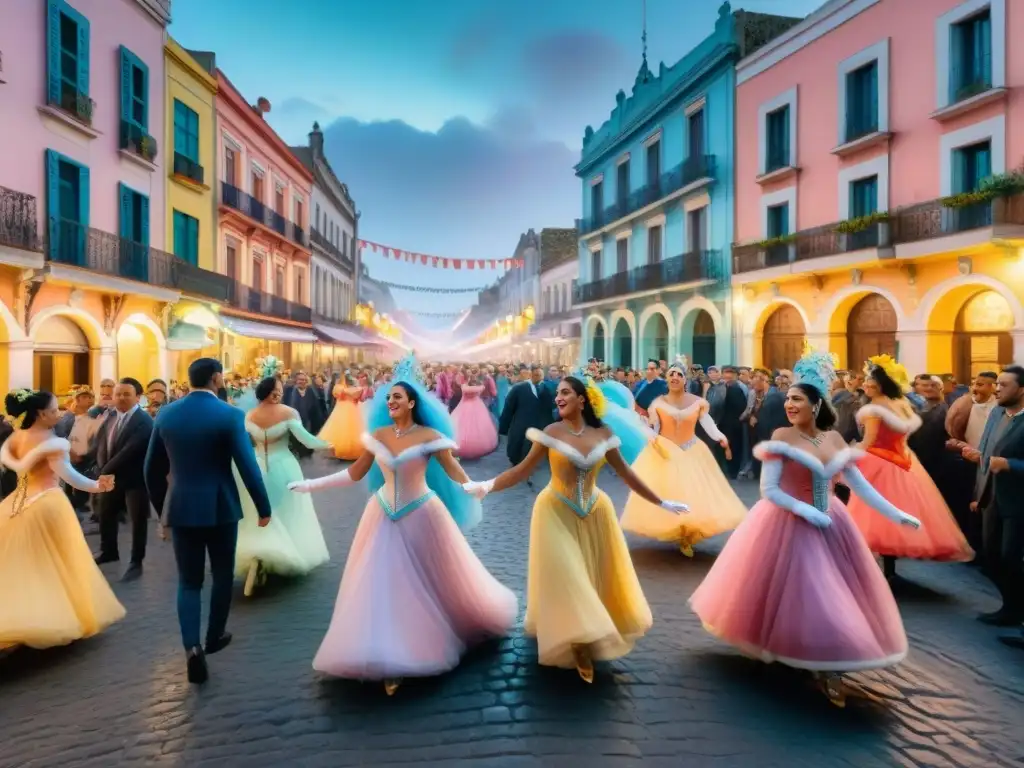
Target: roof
(557,246)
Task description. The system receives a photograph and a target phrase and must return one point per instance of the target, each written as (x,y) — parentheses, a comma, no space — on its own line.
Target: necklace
(814,440)
(573,432)
(400,433)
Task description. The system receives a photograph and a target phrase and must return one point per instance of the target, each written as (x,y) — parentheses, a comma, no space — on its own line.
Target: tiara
(817,369)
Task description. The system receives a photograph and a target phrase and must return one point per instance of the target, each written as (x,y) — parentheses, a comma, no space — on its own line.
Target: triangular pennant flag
(373,247)
(494,263)
(480,263)
(471,264)
(508,263)
(444,263)
(457,263)
(423,259)
(385,250)
(436,260)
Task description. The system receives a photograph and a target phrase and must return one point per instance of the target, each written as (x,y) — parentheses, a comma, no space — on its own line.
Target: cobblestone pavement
(679,699)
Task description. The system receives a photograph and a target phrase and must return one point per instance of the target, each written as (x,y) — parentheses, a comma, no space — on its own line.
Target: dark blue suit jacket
(188,464)
(1005,489)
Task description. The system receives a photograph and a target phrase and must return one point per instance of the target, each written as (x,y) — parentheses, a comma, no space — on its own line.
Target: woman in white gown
(291,544)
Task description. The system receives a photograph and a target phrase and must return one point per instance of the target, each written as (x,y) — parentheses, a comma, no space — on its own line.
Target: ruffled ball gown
(474,427)
(413,596)
(784,590)
(582,589)
(892,468)
(51,592)
(345,424)
(678,465)
(292,543)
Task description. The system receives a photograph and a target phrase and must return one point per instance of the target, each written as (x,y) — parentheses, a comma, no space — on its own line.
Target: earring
(815,409)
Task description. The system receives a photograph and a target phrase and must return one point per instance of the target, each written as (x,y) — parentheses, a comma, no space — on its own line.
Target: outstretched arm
(451,467)
(870,495)
(309,440)
(61,465)
(353,474)
(630,478)
(509,477)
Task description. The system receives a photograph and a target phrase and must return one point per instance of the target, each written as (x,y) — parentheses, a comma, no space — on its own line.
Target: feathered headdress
(594,394)
(270,366)
(407,370)
(680,364)
(817,369)
(892,369)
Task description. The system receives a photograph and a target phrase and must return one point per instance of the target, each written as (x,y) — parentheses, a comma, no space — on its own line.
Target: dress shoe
(103,558)
(1000,618)
(222,642)
(1013,641)
(196,665)
(133,572)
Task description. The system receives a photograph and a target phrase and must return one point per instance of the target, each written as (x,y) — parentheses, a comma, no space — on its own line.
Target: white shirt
(82,433)
(118,425)
(976,422)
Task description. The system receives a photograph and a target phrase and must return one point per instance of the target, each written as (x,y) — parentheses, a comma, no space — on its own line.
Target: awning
(184,336)
(269,331)
(332,334)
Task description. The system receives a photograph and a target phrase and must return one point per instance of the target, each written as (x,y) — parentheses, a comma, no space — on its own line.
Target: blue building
(658,206)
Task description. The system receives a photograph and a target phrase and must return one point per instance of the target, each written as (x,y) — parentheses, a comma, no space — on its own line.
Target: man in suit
(999,495)
(121,444)
(529,404)
(188,473)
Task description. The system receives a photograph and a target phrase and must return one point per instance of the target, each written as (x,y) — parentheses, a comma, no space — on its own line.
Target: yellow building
(190,138)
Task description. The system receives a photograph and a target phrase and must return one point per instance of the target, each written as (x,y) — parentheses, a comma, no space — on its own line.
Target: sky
(455,123)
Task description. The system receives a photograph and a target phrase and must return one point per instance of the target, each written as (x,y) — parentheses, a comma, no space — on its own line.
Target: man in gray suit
(999,494)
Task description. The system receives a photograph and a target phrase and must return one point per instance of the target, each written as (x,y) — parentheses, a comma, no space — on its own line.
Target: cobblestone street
(680,699)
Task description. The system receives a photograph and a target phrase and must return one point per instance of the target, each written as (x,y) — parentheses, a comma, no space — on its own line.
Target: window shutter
(958,172)
(784,148)
(956,61)
(144,96)
(53,199)
(126,85)
(983,163)
(83,54)
(144,216)
(194,243)
(873,95)
(53,52)
(125,196)
(83,215)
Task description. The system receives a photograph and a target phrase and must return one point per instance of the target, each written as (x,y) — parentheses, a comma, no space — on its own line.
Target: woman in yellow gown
(344,427)
(677,462)
(51,592)
(584,601)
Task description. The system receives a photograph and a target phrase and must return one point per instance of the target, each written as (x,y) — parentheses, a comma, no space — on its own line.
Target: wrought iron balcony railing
(687,172)
(932,219)
(19,226)
(695,267)
(253,300)
(76,104)
(244,203)
(317,238)
(190,169)
(137,141)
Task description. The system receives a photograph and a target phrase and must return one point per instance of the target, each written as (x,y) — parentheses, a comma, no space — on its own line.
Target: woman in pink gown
(475,430)
(796,583)
(413,596)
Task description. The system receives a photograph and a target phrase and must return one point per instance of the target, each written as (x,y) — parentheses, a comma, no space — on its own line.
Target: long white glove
(478,489)
(675,506)
(337,480)
(859,484)
(771,476)
(61,466)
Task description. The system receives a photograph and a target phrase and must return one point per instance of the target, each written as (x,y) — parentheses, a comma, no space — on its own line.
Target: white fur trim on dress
(390,460)
(583,462)
(764,451)
(892,419)
(50,445)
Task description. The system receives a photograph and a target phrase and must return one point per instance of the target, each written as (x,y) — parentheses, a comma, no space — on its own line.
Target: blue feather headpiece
(817,369)
(407,370)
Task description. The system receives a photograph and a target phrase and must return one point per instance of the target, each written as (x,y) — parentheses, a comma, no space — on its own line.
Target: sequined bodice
(803,484)
(405,473)
(573,475)
(469,392)
(806,477)
(678,424)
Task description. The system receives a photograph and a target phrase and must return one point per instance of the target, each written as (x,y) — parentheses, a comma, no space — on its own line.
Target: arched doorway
(703,339)
(981,336)
(61,358)
(655,338)
(138,352)
(598,344)
(870,330)
(622,348)
(783,338)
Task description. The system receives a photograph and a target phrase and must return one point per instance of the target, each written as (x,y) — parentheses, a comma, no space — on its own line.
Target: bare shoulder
(784,434)
(835,440)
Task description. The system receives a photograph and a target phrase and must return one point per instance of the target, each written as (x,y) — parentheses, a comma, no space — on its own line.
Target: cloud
(466,191)
(297,109)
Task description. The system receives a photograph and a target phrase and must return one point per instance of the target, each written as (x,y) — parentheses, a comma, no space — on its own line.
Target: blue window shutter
(125,197)
(193,249)
(126,84)
(983,163)
(784,208)
(53,51)
(985,47)
(956,61)
(83,196)
(873,95)
(787,160)
(958,180)
(144,216)
(53,198)
(83,53)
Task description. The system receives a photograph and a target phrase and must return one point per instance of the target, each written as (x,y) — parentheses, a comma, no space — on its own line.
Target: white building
(555,336)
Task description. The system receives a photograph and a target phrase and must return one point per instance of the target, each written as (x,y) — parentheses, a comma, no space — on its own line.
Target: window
(317,219)
(695,134)
(653,163)
(863,197)
(654,244)
(970,58)
(257,272)
(231,261)
(595,266)
(696,225)
(279,200)
(186,132)
(622,186)
(300,287)
(777,130)
(298,212)
(186,237)
(862,101)
(971,164)
(134,93)
(279,281)
(134,246)
(257,185)
(230,166)
(597,201)
(778,221)
(622,255)
(67,202)
(67,59)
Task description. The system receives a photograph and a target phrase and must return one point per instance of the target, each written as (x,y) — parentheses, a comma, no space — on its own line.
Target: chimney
(316,140)
(261,107)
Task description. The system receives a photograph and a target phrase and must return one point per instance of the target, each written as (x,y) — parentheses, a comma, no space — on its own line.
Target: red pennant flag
(362,244)
(385,250)
(444,263)
(471,264)
(373,247)
(508,263)
(423,259)
(436,260)
(480,263)
(457,263)
(494,263)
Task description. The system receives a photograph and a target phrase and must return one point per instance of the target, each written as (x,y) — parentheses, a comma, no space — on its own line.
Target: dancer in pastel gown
(51,591)
(414,596)
(344,427)
(502,383)
(475,430)
(676,463)
(584,601)
(795,583)
(292,543)
(890,466)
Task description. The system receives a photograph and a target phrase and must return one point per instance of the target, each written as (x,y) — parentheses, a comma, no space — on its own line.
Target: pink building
(263,239)
(864,221)
(83,189)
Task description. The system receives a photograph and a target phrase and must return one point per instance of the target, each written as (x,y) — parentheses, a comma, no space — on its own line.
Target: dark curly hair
(19,404)
(590,418)
(266,388)
(885,383)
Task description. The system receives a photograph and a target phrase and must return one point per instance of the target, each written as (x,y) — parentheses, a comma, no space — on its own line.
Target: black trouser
(191,546)
(957,487)
(136,502)
(1003,538)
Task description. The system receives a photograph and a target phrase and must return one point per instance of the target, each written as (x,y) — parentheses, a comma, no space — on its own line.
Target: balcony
(136,142)
(78,105)
(18,223)
(187,169)
(808,245)
(932,220)
(256,301)
(320,240)
(234,198)
(76,245)
(690,171)
(695,267)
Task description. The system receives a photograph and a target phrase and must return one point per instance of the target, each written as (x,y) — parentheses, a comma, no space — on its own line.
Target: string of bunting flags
(429,288)
(442,262)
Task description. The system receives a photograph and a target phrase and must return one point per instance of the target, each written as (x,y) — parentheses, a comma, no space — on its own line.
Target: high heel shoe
(584,664)
(252,577)
(390,686)
(832,686)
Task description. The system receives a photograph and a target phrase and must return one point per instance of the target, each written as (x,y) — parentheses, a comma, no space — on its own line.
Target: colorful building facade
(654,239)
(876,205)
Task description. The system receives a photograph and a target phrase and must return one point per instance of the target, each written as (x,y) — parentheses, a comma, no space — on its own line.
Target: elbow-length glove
(859,484)
(478,489)
(337,480)
(771,476)
(61,466)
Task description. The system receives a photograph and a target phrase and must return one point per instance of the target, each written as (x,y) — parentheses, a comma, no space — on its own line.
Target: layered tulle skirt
(475,431)
(814,598)
(913,491)
(344,429)
(292,544)
(51,592)
(413,598)
(582,589)
(691,476)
